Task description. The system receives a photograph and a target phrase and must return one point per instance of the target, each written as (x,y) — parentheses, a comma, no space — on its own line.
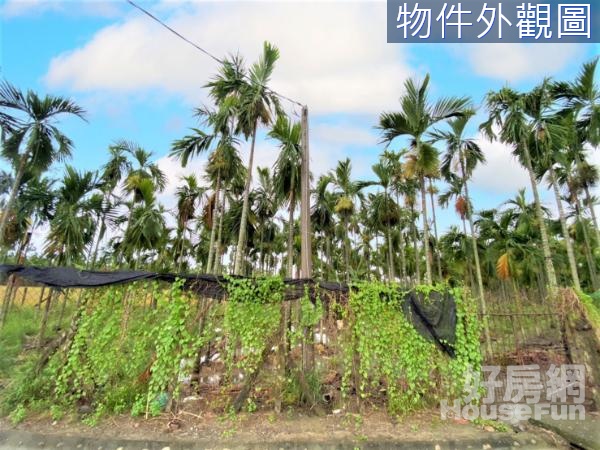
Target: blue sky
(140,83)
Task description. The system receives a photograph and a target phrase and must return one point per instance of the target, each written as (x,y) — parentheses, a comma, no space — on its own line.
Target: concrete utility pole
(305,231)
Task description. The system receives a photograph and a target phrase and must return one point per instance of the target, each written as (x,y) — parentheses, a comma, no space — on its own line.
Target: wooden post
(45,318)
(305,234)
(306,247)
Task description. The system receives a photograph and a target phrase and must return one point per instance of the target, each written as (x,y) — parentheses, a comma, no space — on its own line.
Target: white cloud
(517,62)
(502,173)
(173,171)
(351,70)
(346,133)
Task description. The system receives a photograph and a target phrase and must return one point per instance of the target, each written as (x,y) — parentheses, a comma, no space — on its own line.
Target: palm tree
(6,182)
(218,141)
(72,224)
(286,178)
(226,165)
(462,208)
(188,199)
(455,248)
(583,100)
(399,186)
(386,210)
(566,175)
(266,203)
(111,176)
(34,141)
(36,203)
(254,104)
(323,222)
(409,190)
(507,237)
(347,191)
(415,119)
(141,174)
(516,117)
(588,178)
(548,154)
(466,154)
(147,230)
(142,168)
(433,191)
(420,166)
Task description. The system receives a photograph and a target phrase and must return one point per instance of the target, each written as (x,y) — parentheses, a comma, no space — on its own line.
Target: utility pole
(308,349)
(305,231)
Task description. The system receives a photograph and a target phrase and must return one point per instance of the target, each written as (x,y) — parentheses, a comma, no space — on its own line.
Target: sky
(139,82)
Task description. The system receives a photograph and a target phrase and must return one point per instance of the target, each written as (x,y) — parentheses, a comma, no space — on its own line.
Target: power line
(197,47)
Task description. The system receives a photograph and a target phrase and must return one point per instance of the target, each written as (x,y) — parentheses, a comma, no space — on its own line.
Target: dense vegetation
(131,349)
(144,349)
(225,221)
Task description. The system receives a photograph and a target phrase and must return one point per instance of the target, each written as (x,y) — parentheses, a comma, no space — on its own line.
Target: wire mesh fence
(525,328)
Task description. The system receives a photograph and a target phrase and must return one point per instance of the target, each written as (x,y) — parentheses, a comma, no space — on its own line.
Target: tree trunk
(261,262)
(13,194)
(346,249)
(549,266)
(402,257)
(101,231)
(428,278)
(213,230)
(437,251)
(468,262)
(217,262)
(329,267)
(593,214)
(587,247)
(391,271)
(565,230)
(241,243)
(45,318)
(290,237)
(402,249)
(391,274)
(482,301)
(7,294)
(415,245)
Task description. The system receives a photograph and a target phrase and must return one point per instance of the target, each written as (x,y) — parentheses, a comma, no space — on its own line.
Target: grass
(32,296)
(17,360)
(591,305)
(21,324)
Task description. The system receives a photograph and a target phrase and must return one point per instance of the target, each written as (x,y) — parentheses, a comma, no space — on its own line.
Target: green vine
(173,343)
(309,315)
(384,352)
(467,346)
(252,316)
(134,345)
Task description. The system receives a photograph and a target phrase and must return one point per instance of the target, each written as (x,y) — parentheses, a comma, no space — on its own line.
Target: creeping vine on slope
(252,316)
(384,352)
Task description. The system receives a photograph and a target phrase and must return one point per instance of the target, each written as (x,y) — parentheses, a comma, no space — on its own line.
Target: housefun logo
(528,392)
